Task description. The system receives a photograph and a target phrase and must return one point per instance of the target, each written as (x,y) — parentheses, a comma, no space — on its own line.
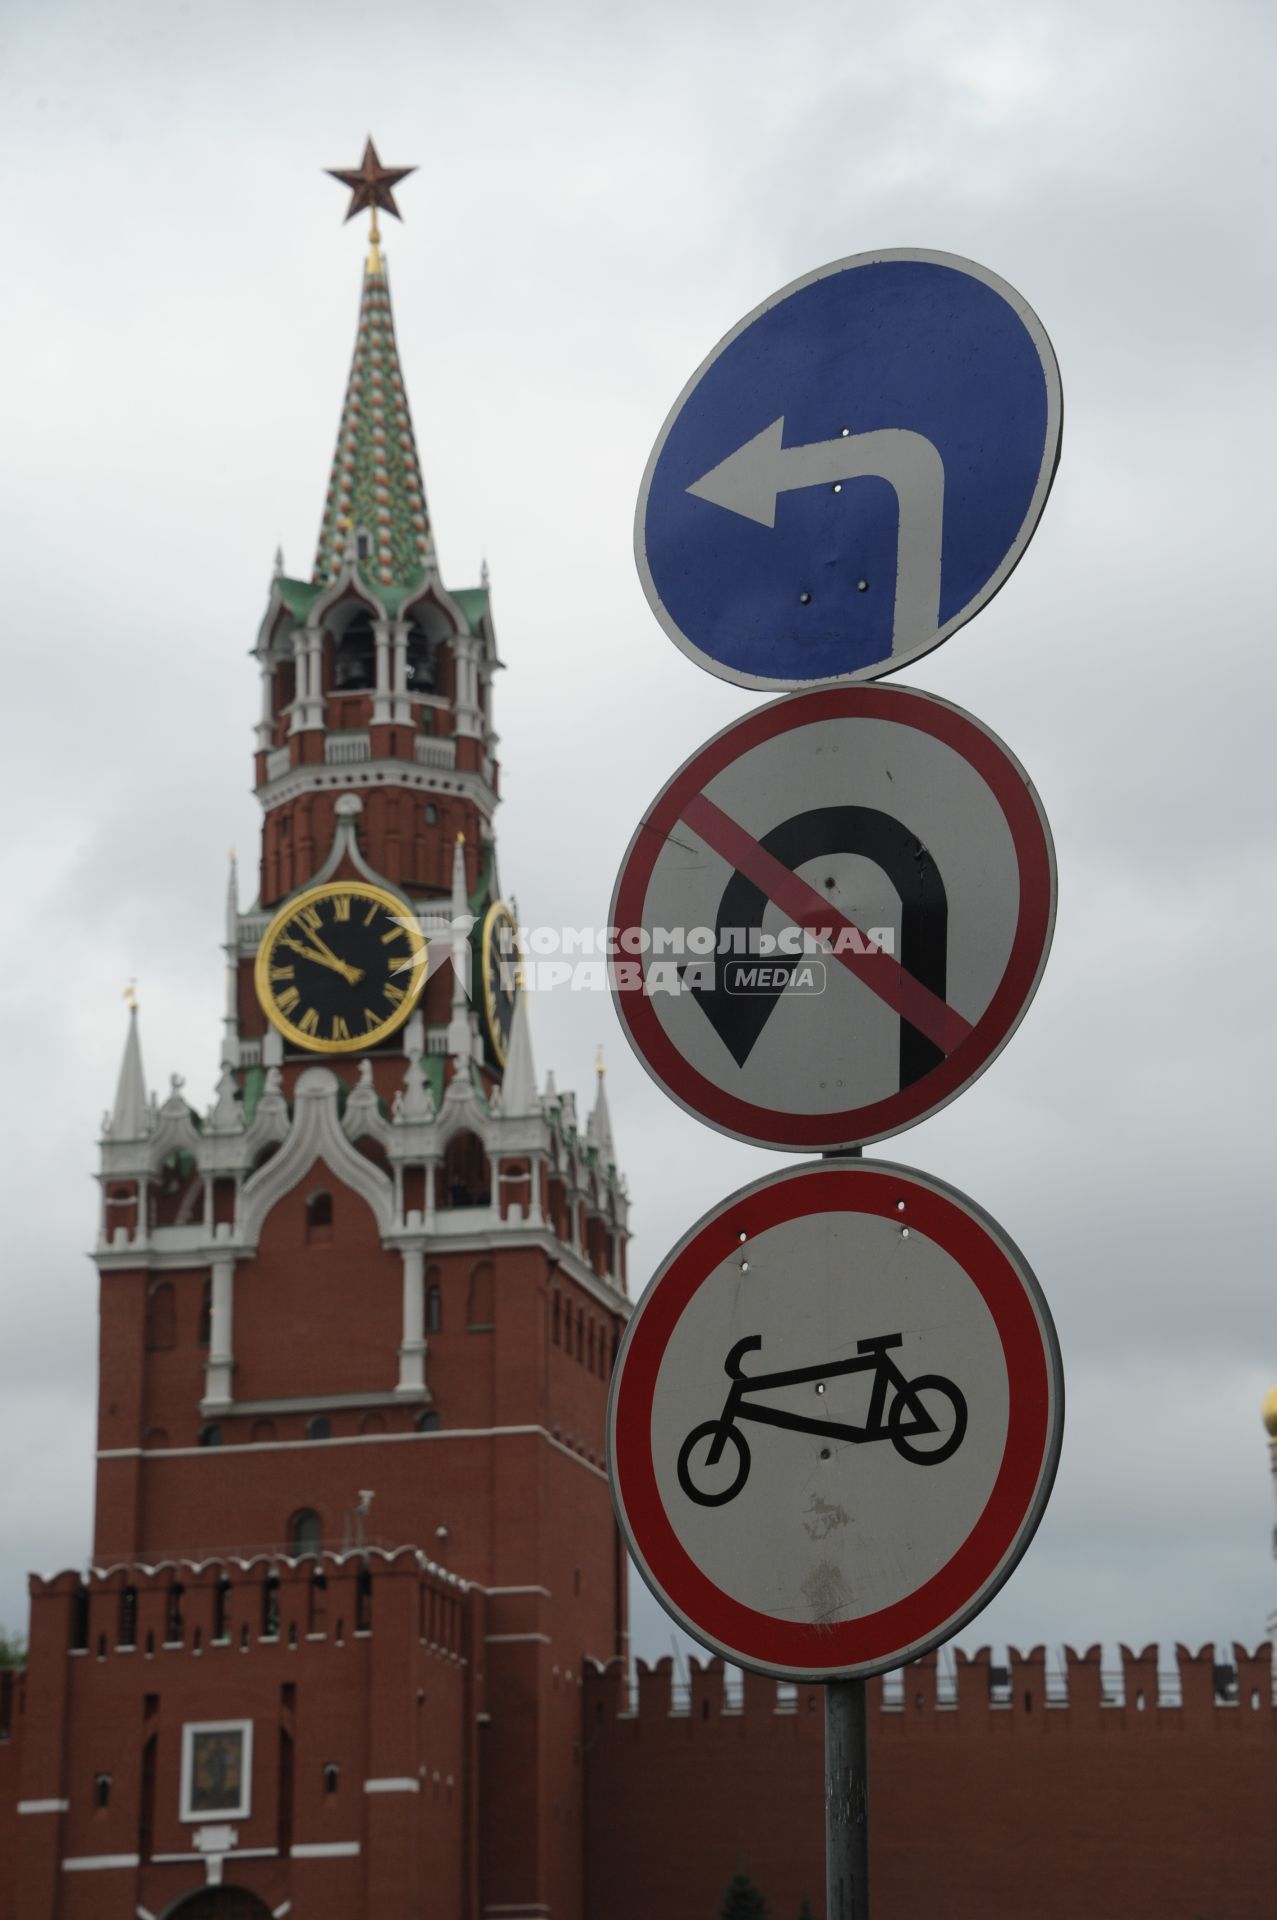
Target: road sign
(833,917)
(835,1419)
(852,473)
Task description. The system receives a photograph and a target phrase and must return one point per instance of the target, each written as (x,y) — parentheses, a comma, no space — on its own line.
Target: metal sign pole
(846,1801)
(846,1778)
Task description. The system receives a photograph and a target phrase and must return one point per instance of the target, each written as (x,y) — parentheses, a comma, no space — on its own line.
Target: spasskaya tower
(353,1542)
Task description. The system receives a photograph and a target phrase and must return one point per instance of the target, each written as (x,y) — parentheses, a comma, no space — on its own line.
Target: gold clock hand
(335,959)
(324,959)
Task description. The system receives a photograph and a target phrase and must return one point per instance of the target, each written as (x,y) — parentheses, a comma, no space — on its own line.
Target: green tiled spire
(376,480)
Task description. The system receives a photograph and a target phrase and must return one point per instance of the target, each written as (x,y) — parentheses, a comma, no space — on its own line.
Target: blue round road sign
(852,473)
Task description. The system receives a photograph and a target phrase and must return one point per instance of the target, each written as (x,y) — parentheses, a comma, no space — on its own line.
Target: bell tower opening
(355,658)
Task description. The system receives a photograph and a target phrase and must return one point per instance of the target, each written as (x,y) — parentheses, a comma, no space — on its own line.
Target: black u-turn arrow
(738,1019)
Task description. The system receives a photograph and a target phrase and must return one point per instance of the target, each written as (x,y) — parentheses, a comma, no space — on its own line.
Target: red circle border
(1009,1517)
(1030,943)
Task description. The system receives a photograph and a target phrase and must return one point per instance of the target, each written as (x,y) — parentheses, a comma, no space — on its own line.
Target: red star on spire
(370,184)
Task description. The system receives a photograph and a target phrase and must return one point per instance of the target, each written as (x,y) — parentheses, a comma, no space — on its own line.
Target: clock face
(500,949)
(340,967)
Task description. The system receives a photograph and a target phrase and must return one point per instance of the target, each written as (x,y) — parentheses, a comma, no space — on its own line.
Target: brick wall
(1113,1795)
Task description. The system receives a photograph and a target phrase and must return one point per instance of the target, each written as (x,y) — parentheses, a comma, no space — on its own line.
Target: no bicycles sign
(835,1420)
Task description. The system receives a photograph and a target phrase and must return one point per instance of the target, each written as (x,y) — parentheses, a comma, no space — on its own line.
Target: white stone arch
(175,1132)
(348,584)
(434,608)
(316,1134)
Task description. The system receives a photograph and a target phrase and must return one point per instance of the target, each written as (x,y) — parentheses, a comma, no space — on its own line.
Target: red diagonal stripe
(880,972)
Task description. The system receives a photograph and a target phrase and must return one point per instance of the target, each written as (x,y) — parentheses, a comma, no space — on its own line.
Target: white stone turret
(598,1129)
(131,1116)
(230,1019)
(519,1087)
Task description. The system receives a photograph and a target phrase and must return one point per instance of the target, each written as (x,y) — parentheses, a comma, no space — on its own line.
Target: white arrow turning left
(749,481)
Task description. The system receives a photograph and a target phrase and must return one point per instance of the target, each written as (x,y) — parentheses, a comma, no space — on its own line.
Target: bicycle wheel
(719,1483)
(928,1449)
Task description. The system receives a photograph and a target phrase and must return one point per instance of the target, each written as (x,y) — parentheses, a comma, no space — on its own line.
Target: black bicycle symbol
(904,1419)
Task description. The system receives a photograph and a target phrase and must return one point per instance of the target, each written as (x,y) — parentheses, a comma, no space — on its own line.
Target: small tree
(742,1900)
(13,1649)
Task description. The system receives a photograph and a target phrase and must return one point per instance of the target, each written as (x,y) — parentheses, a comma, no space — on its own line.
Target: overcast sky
(601,195)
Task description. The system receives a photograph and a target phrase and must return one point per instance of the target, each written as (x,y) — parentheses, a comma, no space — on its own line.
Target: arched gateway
(219,1903)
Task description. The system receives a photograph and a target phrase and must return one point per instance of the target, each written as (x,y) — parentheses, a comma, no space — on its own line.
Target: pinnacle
(519,1085)
(131,1114)
(599,1126)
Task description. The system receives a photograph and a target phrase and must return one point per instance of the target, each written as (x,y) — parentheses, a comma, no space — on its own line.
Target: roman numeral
(310,918)
(396,933)
(309,1022)
(340,1030)
(341,906)
(371,1019)
(288,999)
(372,913)
(393,993)
(283,973)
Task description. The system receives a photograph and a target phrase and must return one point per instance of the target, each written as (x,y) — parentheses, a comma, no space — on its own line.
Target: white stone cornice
(606,1292)
(379,773)
(316,1134)
(183,1249)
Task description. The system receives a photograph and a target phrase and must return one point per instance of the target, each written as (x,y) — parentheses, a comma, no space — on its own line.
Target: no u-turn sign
(833,917)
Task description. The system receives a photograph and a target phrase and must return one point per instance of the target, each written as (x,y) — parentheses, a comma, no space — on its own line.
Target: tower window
(467,1179)
(332,1775)
(206,1315)
(102,1791)
(363,543)
(427,1421)
(432,815)
(319,1217)
(320,1428)
(211,1435)
(355,662)
(305,1532)
(422,665)
(434,1310)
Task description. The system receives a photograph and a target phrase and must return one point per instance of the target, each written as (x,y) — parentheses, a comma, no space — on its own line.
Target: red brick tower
(353,1537)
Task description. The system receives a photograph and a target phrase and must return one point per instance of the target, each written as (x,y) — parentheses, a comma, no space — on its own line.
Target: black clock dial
(500,976)
(340,967)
